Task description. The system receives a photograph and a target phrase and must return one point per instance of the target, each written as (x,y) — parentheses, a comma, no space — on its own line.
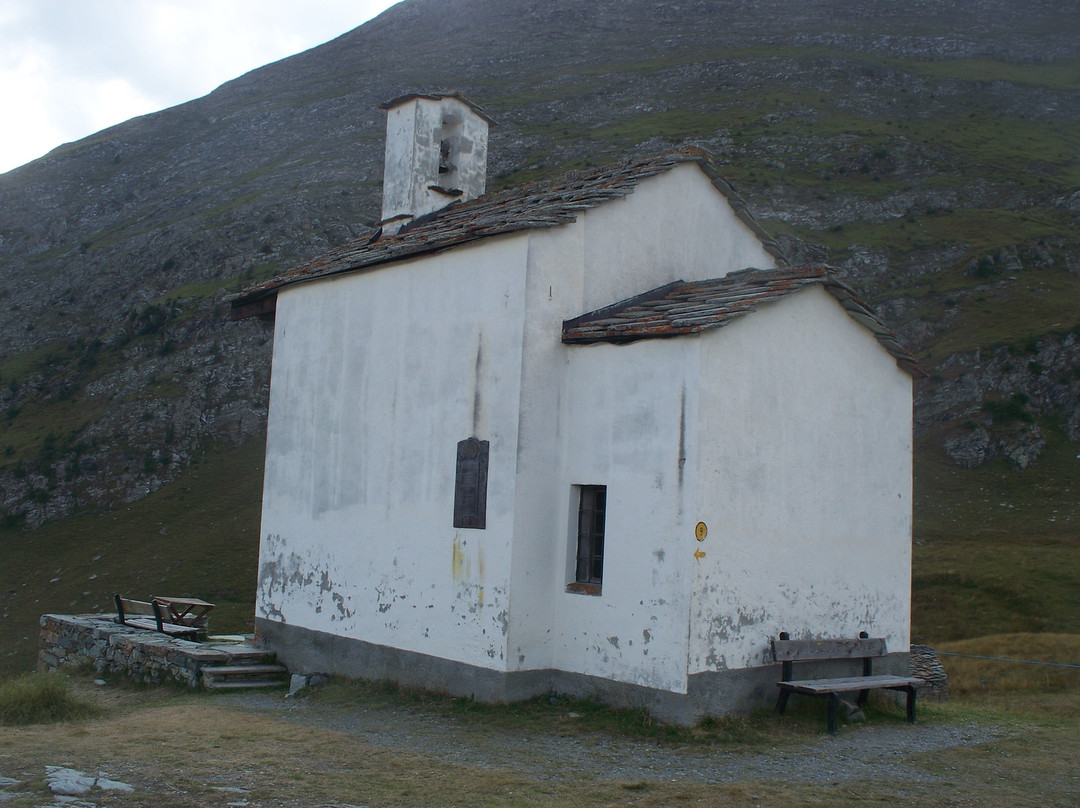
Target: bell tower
(436,154)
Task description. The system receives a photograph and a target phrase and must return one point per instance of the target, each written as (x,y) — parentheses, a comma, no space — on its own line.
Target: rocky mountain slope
(929,150)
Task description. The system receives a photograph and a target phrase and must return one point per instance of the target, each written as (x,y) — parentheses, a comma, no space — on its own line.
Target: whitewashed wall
(377,376)
(675,226)
(763,430)
(554,281)
(805,484)
(630,420)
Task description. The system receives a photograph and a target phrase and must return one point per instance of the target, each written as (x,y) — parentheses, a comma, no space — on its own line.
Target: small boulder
(970,450)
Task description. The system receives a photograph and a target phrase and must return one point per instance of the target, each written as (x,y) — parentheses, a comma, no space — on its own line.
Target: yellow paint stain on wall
(462,569)
(457,559)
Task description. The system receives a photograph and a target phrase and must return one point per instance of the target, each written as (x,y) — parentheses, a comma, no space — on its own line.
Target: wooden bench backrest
(126,606)
(808,650)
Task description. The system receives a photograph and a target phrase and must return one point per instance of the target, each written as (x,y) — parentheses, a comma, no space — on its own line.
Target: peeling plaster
(282,576)
(343,612)
(722,628)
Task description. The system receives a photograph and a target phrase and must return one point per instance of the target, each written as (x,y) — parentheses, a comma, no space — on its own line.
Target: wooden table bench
(787,652)
(184,611)
(152,616)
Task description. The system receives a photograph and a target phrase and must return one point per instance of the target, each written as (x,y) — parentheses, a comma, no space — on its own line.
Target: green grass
(199,290)
(24,436)
(984,313)
(1061,75)
(996,550)
(1003,665)
(978,230)
(34,360)
(1029,305)
(37,698)
(196,537)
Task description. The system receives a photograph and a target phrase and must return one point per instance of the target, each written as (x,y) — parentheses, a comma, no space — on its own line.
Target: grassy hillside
(197,537)
(996,550)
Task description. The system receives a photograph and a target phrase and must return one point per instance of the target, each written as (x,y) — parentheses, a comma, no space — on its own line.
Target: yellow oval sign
(701,531)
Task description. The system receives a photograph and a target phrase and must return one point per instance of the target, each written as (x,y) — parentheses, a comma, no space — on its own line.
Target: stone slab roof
(401,99)
(691,307)
(536,205)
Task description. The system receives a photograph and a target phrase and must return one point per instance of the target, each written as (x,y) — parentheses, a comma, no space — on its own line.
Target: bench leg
(910,703)
(781,701)
(834,702)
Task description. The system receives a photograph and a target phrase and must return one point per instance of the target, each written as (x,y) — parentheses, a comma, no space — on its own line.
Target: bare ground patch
(179,749)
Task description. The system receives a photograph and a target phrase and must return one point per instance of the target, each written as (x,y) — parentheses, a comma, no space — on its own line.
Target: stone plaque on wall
(470,488)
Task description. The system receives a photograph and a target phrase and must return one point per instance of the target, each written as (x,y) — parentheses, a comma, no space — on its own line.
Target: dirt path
(857,753)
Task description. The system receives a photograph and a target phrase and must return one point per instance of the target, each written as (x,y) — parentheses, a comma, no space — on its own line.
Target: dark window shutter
(470,488)
(592,513)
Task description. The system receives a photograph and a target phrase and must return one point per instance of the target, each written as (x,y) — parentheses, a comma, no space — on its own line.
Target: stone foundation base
(714,693)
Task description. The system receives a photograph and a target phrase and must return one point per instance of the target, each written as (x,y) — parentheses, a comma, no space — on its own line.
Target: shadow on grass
(804,719)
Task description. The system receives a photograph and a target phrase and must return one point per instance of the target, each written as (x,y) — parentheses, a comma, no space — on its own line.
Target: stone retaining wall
(99,641)
(926,665)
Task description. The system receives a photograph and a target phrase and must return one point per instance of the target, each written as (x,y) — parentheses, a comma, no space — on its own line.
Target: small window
(445,166)
(470,488)
(592,509)
(449,135)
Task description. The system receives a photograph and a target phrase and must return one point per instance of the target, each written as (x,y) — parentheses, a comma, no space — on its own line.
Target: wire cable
(1006,659)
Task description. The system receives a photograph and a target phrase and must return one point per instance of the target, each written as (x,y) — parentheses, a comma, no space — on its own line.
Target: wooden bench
(150,615)
(787,652)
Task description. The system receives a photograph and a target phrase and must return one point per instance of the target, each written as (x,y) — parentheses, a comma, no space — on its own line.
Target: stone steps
(220,677)
(246,656)
(247,685)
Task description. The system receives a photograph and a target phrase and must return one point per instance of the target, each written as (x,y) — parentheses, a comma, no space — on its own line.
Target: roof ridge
(538,204)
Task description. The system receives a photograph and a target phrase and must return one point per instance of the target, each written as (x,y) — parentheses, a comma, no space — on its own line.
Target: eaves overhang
(690,307)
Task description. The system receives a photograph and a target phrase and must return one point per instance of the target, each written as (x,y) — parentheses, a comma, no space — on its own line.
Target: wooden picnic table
(185,611)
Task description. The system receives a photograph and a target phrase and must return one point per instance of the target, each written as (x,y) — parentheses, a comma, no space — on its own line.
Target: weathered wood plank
(805,650)
(787,652)
(140,622)
(147,615)
(847,684)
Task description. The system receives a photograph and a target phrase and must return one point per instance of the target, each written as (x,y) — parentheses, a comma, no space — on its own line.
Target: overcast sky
(69,68)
